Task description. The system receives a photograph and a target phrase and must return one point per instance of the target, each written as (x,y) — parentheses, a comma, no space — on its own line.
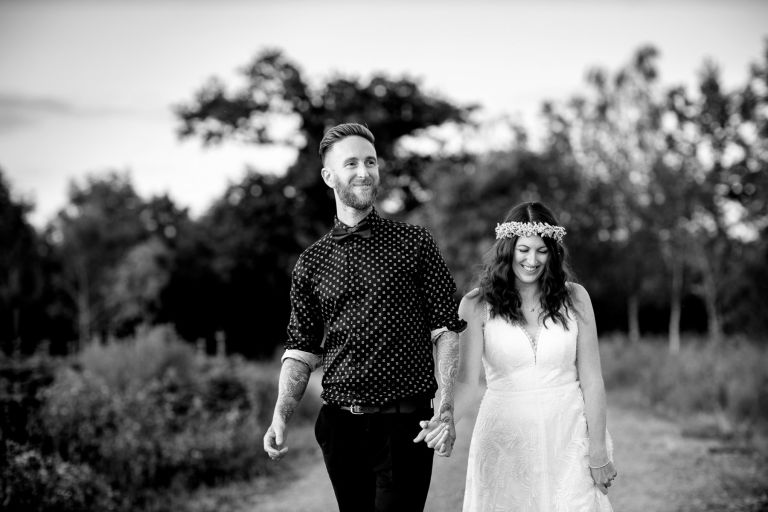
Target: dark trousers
(372,461)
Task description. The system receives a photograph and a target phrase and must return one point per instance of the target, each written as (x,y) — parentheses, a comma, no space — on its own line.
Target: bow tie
(341,233)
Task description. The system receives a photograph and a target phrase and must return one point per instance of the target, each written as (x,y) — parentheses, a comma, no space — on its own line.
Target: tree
(254,242)
(718,140)
(91,236)
(275,95)
(613,135)
(257,229)
(133,292)
(475,193)
(21,280)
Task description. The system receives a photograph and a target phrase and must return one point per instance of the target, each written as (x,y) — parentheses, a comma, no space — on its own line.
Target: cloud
(19,109)
(10,101)
(22,110)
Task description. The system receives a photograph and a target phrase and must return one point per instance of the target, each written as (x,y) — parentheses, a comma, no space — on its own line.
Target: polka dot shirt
(367,306)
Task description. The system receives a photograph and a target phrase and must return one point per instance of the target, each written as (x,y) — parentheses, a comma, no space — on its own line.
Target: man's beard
(357,199)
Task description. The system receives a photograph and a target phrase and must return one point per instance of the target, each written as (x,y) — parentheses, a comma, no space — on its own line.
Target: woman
(540,441)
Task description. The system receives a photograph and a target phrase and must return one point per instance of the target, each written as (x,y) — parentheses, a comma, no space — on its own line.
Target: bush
(132,425)
(36,483)
(149,414)
(128,364)
(21,382)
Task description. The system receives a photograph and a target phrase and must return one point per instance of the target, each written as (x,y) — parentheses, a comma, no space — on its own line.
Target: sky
(88,86)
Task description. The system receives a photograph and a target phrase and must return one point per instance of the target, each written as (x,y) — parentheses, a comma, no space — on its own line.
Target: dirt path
(660,470)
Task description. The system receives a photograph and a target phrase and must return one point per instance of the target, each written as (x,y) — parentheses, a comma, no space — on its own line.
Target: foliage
(726,379)
(254,232)
(132,424)
(133,295)
(139,420)
(474,194)
(33,482)
(126,366)
(150,414)
(21,386)
(22,281)
(274,94)
(716,143)
(113,249)
(253,241)
(91,236)
(662,191)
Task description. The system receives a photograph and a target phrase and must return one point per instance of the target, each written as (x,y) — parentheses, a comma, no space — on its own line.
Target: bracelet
(599,467)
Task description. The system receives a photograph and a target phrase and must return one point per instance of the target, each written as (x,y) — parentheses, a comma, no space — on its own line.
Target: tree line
(663,192)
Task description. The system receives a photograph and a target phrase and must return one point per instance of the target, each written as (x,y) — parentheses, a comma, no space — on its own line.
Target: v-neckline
(533,341)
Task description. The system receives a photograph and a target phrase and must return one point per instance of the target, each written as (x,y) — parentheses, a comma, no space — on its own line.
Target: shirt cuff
(436,333)
(312,360)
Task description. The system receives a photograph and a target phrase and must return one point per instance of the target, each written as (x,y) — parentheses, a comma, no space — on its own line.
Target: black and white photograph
(402,256)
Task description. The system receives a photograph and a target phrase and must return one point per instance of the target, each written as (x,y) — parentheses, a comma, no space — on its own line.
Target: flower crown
(510,229)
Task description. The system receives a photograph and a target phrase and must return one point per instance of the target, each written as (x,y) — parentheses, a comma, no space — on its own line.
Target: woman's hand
(603,476)
(438,434)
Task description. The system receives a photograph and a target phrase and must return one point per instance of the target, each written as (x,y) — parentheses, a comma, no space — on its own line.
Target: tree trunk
(16,314)
(221,344)
(83,308)
(633,308)
(16,323)
(714,325)
(676,291)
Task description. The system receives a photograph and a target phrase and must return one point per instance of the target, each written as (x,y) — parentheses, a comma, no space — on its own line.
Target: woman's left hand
(603,476)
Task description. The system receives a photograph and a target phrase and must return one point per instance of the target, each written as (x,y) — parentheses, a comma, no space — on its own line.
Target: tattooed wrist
(294,377)
(448,364)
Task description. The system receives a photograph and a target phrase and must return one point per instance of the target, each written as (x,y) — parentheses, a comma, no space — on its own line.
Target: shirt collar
(372,217)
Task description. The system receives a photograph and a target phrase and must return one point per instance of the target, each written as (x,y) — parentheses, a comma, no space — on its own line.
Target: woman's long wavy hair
(497,280)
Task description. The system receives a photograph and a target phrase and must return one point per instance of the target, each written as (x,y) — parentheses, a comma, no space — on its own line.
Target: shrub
(36,483)
(130,424)
(127,364)
(21,381)
(150,414)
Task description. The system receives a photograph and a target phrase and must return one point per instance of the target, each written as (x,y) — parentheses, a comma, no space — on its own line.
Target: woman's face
(531,255)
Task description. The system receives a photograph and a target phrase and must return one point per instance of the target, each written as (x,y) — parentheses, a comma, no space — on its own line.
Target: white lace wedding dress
(529,446)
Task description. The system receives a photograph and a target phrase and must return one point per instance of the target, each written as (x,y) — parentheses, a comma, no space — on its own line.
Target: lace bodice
(511,364)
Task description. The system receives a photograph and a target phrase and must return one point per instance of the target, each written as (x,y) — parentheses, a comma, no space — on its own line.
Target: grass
(719,390)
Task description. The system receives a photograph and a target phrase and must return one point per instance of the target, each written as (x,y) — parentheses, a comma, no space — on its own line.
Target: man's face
(352,171)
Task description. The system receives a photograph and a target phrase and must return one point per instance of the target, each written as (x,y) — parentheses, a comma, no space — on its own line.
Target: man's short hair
(342,131)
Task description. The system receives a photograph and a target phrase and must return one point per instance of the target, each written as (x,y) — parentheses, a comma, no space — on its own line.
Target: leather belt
(404,405)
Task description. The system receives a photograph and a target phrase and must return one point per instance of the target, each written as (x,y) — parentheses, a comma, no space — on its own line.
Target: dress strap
(487,316)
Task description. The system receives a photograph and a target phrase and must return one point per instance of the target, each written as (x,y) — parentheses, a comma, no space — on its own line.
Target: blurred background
(159,177)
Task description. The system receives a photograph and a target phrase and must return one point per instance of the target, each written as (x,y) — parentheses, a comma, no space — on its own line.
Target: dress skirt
(529,453)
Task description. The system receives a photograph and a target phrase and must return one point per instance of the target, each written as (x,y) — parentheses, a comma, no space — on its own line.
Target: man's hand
(443,443)
(439,434)
(274,441)
(294,376)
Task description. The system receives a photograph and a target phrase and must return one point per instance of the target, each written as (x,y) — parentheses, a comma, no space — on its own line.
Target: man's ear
(326,174)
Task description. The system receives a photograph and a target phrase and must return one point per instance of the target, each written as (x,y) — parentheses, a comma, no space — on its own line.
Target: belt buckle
(356,409)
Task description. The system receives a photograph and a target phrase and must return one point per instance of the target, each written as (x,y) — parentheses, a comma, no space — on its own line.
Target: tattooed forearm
(294,377)
(448,366)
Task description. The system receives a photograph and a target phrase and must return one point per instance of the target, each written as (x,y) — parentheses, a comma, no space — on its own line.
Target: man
(368,301)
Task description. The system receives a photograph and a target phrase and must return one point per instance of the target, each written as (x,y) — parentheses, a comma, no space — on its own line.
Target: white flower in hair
(510,229)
